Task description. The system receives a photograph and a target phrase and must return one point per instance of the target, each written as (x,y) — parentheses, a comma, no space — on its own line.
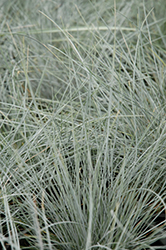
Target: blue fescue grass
(83,150)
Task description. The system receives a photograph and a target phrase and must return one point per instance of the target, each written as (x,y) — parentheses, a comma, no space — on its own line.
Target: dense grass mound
(82,125)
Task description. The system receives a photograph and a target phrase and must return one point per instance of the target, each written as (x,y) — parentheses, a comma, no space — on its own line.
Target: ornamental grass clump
(83,132)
